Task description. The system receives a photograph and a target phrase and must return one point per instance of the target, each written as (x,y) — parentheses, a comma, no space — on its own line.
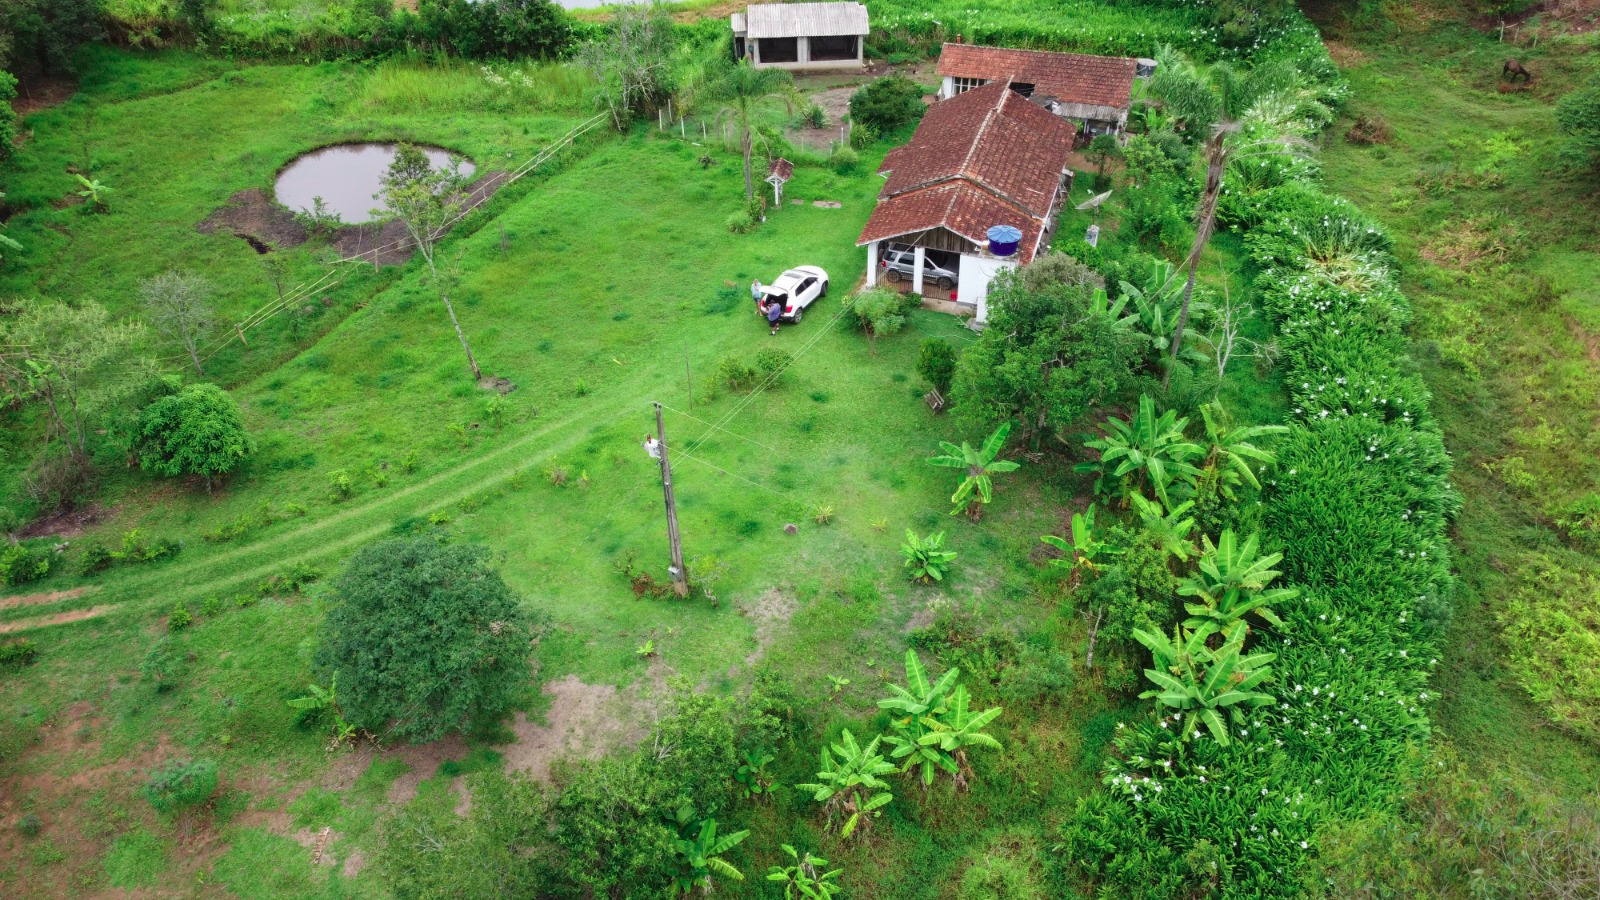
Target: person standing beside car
(774,311)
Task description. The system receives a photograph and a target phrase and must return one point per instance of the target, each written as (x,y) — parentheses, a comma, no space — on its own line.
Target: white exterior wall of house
(977,271)
(805,62)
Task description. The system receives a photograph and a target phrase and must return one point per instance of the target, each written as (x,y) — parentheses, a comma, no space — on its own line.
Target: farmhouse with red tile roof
(1093,91)
(988,157)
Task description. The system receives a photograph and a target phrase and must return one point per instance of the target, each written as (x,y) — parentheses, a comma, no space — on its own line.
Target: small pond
(346,177)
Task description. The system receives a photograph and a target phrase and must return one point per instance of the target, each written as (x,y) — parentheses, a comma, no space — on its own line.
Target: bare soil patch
(497,383)
(254,216)
(66,523)
(76,615)
(1344,55)
(770,613)
(424,760)
(583,720)
(47,597)
(42,91)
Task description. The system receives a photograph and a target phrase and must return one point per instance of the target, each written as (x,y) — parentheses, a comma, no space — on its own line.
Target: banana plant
(849,787)
(1229,449)
(93,193)
(700,852)
(328,699)
(1203,684)
(1147,450)
(959,729)
(1084,549)
(1156,304)
(807,879)
(1168,528)
(1231,583)
(926,557)
(915,708)
(977,488)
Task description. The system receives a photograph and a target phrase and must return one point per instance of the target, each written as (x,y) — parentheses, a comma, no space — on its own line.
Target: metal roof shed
(801,36)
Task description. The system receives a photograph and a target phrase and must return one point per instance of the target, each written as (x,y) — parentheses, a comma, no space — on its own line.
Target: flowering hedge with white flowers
(1358,502)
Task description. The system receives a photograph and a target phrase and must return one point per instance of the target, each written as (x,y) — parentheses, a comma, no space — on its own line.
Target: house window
(962,85)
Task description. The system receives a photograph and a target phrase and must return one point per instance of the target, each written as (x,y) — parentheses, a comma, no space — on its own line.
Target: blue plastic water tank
(1003,240)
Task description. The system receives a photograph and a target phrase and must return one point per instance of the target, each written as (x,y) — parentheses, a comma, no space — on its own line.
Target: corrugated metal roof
(738,23)
(781,20)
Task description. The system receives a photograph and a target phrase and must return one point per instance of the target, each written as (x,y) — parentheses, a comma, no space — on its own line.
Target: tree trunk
(450,308)
(196,357)
(1206,221)
(749,185)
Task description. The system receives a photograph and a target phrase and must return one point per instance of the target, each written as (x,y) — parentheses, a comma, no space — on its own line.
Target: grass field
(617,284)
(1497,241)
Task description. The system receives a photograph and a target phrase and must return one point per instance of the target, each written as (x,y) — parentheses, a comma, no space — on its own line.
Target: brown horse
(1512,69)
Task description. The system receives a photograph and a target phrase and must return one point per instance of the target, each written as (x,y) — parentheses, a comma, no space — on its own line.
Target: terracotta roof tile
(1069,77)
(986,157)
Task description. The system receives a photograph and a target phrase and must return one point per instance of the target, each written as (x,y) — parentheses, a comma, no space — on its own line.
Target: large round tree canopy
(424,637)
(197,431)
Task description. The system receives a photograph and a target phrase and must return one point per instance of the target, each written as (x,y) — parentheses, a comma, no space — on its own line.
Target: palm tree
(742,92)
(1151,448)
(1083,549)
(977,488)
(700,852)
(1232,583)
(1219,101)
(1203,684)
(850,786)
(1229,449)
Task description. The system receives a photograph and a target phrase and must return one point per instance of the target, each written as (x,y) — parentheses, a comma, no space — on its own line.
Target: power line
(717,428)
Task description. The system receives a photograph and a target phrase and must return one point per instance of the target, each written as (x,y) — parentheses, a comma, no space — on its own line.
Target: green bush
(341,486)
(936,363)
(179,618)
(845,161)
(23,564)
(199,431)
(163,665)
(94,558)
(18,653)
(863,136)
(181,784)
(740,222)
(887,104)
(771,363)
(733,372)
(29,825)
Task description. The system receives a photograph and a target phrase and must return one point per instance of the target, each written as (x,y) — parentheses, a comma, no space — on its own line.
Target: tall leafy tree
(743,91)
(426,201)
(1048,357)
(75,359)
(197,431)
(849,784)
(45,35)
(1146,451)
(425,637)
(180,305)
(632,63)
(1206,685)
(980,465)
(1216,103)
(1232,582)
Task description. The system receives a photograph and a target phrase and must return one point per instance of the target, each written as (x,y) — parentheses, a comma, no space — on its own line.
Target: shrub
(862,136)
(887,104)
(163,665)
(740,222)
(94,558)
(1580,520)
(735,373)
(181,784)
(22,564)
(340,485)
(18,653)
(936,363)
(771,363)
(845,161)
(180,617)
(29,824)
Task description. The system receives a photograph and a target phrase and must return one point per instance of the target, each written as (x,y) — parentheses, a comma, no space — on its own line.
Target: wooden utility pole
(680,575)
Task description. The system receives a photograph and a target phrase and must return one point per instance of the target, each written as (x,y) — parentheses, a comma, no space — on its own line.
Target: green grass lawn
(617,285)
(1502,335)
